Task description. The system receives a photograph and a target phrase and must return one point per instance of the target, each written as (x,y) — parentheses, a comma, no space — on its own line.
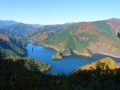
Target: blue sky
(58,11)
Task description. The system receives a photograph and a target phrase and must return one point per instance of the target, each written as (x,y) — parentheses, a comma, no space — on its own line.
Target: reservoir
(64,66)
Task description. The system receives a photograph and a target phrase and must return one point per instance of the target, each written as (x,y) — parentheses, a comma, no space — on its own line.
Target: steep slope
(17,30)
(83,38)
(10,47)
(114,24)
(47,28)
(4,37)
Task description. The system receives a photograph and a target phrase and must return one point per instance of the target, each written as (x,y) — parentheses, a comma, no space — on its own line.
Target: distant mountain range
(14,36)
(82,38)
(8,23)
(5,24)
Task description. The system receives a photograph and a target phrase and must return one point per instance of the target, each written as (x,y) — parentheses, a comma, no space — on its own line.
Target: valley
(76,44)
(59,45)
(67,64)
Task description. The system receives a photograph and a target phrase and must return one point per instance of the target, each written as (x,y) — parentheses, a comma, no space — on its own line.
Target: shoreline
(114,56)
(109,55)
(57,50)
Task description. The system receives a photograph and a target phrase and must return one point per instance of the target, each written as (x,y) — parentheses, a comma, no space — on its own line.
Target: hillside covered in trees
(83,38)
(24,74)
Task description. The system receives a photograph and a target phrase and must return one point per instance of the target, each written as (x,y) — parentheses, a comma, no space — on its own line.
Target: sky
(58,11)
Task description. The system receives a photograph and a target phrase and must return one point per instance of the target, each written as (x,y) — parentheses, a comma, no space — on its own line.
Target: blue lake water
(64,66)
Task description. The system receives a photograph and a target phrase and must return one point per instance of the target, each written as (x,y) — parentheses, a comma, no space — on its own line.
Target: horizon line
(57,23)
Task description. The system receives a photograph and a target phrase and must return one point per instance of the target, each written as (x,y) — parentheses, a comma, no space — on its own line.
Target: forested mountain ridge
(14,36)
(20,34)
(83,38)
(23,73)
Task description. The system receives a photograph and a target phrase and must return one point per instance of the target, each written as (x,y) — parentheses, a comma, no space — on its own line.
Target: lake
(64,66)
